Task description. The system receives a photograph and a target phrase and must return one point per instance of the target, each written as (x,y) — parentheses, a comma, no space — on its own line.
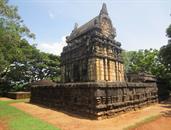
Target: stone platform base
(18,95)
(97,100)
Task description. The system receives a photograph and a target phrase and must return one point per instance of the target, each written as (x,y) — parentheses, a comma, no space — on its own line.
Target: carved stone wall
(96,100)
(93,82)
(18,95)
(99,59)
(92,53)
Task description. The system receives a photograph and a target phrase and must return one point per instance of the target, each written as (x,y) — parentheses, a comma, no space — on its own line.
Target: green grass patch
(19,120)
(146,120)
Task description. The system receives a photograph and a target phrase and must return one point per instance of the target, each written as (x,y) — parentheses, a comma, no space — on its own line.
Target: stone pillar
(80,70)
(89,69)
(97,69)
(101,68)
(122,72)
(92,69)
(112,71)
(119,71)
(63,73)
(72,67)
(105,69)
(116,70)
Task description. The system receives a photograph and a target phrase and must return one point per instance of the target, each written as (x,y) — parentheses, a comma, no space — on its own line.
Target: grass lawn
(18,120)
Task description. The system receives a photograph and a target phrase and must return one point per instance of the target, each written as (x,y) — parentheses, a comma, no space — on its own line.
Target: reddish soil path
(163,123)
(65,121)
(3,126)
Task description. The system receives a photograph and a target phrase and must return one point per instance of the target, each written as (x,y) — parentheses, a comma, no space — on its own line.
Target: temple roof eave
(92,24)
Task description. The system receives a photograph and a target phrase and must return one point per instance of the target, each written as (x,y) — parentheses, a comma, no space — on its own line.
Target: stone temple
(93,82)
(92,53)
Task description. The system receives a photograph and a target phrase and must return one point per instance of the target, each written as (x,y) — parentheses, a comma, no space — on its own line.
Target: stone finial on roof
(75,26)
(104,9)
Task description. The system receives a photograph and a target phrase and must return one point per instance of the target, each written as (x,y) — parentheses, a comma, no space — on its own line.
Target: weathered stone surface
(95,99)
(43,83)
(18,95)
(141,77)
(93,79)
(92,54)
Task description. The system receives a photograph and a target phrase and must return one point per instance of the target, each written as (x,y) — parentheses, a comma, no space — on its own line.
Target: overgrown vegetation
(152,61)
(19,120)
(20,62)
(145,61)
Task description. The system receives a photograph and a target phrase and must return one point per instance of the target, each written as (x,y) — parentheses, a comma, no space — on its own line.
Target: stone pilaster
(119,72)
(122,72)
(63,73)
(116,70)
(105,69)
(97,69)
(92,69)
(101,67)
(112,71)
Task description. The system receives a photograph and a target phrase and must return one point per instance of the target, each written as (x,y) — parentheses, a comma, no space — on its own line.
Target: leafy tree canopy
(145,61)
(165,52)
(168,31)
(20,62)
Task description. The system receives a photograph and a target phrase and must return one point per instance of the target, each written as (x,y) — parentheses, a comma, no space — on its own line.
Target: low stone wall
(18,95)
(96,100)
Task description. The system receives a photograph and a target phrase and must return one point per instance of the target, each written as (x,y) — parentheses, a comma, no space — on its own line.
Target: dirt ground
(163,123)
(66,121)
(3,125)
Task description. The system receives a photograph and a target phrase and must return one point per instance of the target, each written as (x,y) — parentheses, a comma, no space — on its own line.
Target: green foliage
(18,120)
(20,62)
(11,23)
(168,31)
(151,61)
(145,61)
(165,58)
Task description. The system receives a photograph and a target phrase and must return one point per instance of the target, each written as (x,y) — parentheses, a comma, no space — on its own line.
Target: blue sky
(139,24)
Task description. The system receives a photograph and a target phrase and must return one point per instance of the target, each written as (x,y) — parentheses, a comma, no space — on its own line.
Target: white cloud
(54,48)
(51,14)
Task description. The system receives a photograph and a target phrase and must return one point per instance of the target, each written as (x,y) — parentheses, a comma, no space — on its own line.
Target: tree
(165,57)
(168,31)
(165,51)
(12,32)
(145,61)
(20,62)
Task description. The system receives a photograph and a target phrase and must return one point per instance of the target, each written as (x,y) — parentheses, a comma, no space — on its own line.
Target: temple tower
(92,53)
(93,75)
